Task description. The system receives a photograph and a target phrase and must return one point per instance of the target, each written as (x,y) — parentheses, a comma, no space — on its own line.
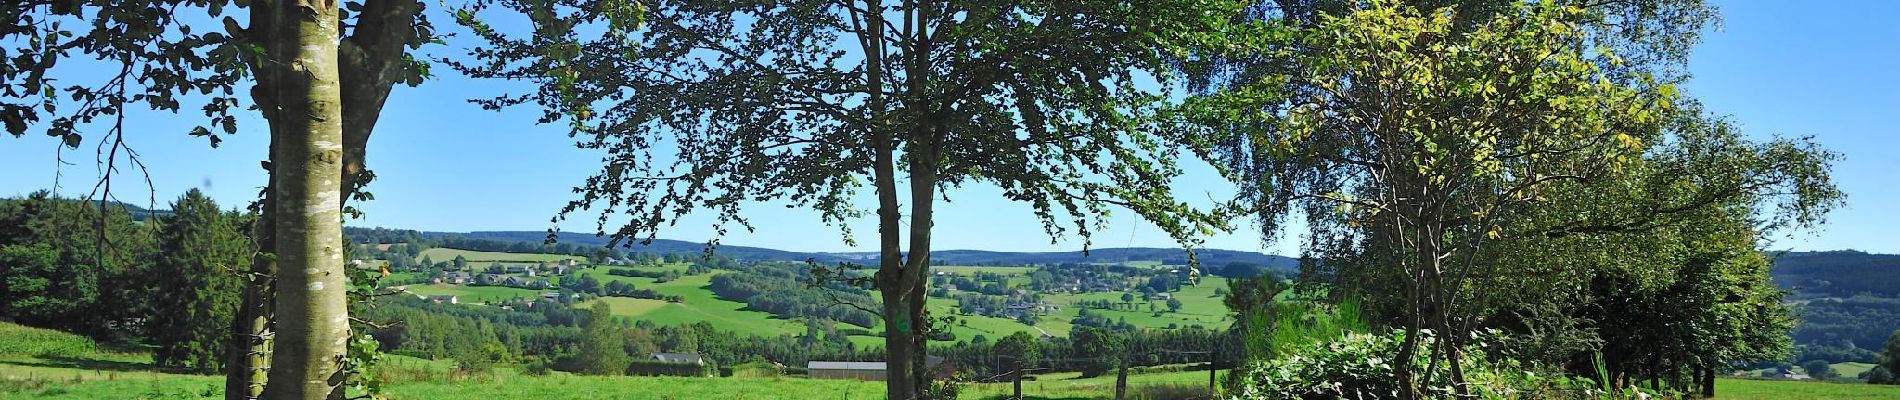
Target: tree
(1888,364)
(1100,348)
(41,290)
(1017,352)
(461,263)
(1818,369)
(1361,115)
(1174,304)
(94,282)
(603,350)
(202,251)
(319,88)
(804,102)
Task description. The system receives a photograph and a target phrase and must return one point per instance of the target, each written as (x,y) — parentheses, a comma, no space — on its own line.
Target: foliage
(74,266)
(1889,362)
(600,351)
(1819,369)
(1016,351)
(1358,116)
(195,284)
(1100,349)
(1859,321)
(781,292)
(1360,366)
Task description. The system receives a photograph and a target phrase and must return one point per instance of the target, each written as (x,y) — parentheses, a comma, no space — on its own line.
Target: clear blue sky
(1778,68)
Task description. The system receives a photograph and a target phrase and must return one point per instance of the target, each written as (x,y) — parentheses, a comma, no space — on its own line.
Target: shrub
(537,366)
(1361,366)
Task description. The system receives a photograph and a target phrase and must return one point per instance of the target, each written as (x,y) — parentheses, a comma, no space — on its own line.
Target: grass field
(484,257)
(1850,370)
(1755,389)
(44,364)
(700,305)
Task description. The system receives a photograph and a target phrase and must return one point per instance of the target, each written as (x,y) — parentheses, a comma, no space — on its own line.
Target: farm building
(450,299)
(679,358)
(868,371)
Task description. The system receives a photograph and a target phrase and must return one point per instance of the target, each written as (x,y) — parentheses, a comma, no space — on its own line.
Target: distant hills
(1826,273)
(1209,257)
(1838,273)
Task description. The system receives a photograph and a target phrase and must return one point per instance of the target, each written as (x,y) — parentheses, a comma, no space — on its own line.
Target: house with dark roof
(679,358)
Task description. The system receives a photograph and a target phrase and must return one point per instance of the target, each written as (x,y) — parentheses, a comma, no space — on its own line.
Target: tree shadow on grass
(85,363)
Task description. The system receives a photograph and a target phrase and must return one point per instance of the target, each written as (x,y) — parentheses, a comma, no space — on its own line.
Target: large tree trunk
(1708,381)
(369,63)
(312,320)
(902,279)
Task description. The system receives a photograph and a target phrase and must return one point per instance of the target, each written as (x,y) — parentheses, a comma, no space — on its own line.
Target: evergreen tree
(195,284)
(602,348)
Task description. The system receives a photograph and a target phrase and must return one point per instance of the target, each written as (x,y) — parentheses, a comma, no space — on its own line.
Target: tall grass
(1299,325)
(37,342)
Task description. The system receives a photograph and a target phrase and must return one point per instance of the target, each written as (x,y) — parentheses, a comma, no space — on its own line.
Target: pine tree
(602,352)
(195,284)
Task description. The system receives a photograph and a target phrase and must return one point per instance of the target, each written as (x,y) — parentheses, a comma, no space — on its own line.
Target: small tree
(1888,362)
(1414,139)
(1019,350)
(202,250)
(1100,348)
(603,350)
(1174,304)
(1818,369)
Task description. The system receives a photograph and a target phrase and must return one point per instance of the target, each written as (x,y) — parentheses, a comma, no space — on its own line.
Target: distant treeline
(419,241)
(777,288)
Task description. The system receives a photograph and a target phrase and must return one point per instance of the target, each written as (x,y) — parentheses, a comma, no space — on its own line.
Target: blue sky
(1777,68)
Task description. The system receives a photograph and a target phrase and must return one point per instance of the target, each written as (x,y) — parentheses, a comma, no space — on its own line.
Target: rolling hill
(1212,257)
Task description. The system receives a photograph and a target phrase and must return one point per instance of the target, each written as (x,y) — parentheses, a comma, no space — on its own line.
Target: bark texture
(311,315)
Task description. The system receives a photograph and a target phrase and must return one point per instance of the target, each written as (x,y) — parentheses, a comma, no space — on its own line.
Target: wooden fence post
(1018,378)
(1121,376)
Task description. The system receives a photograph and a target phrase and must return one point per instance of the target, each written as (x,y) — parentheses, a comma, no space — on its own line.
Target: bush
(1361,366)
(1880,375)
(537,367)
(1818,369)
(944,389)
(473,363)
